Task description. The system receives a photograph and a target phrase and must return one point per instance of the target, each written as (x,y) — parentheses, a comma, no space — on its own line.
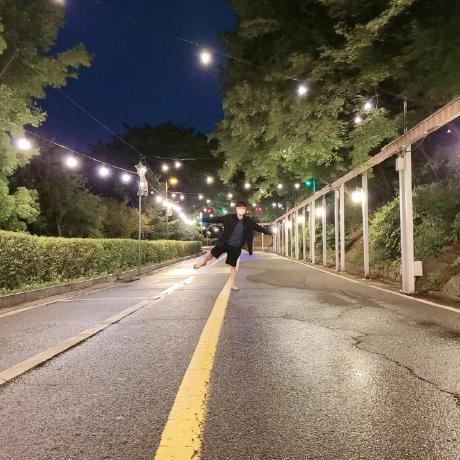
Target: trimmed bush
(31,261)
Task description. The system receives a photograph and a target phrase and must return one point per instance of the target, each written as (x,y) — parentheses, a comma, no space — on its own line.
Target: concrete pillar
(296,235)
(304,236)
(312,221)
(342,227)
(365,209)
(336,229)
(324,230)
(404,166)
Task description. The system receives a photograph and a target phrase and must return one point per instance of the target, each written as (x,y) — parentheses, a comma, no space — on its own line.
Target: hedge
(30,261)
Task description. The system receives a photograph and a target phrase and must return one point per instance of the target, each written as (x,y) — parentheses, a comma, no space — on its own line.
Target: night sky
(140,72)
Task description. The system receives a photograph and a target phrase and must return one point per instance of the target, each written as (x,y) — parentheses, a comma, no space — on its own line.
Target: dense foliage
(32,260)
(347,51)
(28,30)
(436,222)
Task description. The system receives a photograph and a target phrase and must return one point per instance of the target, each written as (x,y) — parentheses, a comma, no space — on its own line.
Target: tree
(63,196)
(28,30)
(153,143)
(348,52)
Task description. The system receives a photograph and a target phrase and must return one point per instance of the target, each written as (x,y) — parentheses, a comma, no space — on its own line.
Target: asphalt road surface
(307,366)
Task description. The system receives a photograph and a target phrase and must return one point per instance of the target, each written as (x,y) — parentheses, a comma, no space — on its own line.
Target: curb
(10,300)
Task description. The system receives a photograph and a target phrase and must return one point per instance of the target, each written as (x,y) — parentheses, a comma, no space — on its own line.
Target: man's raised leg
(206,259)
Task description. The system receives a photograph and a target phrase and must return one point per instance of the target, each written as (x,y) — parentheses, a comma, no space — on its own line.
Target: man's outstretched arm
(213,220)
(261,229)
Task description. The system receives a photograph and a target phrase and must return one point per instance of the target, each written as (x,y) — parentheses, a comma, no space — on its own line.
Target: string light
(182,197)
(230,196)
(279,186)
(164,167)
(297,185)
(173,195)
(232,204)
(71,162)
(159,199)
(205,57)
(23,144)
(177,164)
(358,119)
(209,180)
(247,185)
(200,196)
(208,201)
(302,89)
(104,171)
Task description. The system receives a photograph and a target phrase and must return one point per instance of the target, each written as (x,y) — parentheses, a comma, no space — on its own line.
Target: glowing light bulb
(71,162)
(177,164)
(164,167)
(104,171)
(302,89)
(23,143)
(125,178)
(358,119)
(205,57)
(357,196)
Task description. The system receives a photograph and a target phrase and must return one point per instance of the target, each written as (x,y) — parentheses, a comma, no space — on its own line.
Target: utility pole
(142,190)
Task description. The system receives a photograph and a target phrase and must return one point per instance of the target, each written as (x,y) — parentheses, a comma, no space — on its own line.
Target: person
(238,232)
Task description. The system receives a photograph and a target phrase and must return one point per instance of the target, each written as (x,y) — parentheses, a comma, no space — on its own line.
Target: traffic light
(310,183)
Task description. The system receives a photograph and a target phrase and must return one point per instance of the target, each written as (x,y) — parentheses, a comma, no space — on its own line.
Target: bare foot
(197,266)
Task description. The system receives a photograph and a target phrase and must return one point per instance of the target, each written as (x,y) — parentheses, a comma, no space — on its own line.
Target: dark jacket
(229,221)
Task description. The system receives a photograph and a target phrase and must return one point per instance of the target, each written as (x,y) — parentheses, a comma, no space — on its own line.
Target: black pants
(233,253)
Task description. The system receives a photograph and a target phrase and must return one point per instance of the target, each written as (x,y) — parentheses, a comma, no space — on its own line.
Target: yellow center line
(182,435)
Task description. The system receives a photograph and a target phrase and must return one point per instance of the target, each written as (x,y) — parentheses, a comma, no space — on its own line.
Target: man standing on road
(238,232)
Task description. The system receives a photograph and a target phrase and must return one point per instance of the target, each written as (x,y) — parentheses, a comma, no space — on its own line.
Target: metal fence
(286,227)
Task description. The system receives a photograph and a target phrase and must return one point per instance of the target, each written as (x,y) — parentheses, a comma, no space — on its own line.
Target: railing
(286,238)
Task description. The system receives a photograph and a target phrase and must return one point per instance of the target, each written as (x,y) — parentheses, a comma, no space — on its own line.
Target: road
(307,365)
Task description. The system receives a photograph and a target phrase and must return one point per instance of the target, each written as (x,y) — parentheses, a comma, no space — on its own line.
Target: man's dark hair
(240,203)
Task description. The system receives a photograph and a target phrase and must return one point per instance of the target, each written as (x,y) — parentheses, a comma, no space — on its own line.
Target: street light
(357,196)
(368,106)
(164,167)
(173,181)
(319,212)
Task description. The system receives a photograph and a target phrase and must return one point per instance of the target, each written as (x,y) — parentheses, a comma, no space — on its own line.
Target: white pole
(139,237)
(304,236)
(336,229)
(365,208)
(404,166)
(342,227)
(286,237)
(324,230)
(296,234)
(312,231)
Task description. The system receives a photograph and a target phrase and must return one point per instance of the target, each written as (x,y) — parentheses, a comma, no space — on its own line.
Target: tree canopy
(347,52)
(28,65)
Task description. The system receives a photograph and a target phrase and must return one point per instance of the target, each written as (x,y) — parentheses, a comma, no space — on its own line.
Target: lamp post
(142,190)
